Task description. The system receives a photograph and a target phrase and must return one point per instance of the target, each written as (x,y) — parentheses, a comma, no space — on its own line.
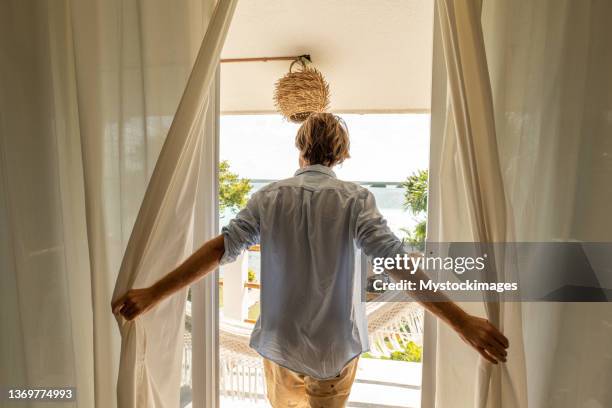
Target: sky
(384,147)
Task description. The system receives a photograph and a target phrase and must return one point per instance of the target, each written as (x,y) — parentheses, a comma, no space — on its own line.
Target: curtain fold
(469,160)
(535,72)
(149,372)
(89,90)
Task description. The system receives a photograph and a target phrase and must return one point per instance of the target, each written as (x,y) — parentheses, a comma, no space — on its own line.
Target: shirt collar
(319,168)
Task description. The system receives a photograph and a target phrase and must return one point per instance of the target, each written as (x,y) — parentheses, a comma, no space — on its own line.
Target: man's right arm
(137,301)
(239,234)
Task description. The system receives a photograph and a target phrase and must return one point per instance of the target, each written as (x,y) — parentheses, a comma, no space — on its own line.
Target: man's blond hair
(323,139)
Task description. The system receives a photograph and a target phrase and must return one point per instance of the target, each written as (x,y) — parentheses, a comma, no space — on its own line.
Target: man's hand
(135,302)
(484,337)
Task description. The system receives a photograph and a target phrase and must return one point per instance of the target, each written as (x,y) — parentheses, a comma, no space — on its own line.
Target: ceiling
(376,55)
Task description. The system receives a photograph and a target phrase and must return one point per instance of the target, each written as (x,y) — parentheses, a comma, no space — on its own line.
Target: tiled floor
(386,384)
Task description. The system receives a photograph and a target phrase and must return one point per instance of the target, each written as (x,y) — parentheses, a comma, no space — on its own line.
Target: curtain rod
(266,59)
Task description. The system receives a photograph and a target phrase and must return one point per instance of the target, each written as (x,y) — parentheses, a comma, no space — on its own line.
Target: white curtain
(89,93)
(151,349)
(537,73)
(469,203)
(45,283)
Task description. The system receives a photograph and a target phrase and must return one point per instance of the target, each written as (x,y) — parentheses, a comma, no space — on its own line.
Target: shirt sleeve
(241,232)
(372,234)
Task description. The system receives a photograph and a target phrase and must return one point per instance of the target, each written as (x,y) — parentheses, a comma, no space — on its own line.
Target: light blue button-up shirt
(312,319)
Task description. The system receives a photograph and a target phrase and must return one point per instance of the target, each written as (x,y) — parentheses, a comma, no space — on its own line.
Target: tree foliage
(415,194)
(415,200)
(417,236)
(233,190)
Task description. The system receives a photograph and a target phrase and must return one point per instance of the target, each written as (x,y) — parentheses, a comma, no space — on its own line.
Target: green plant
(416,237)
(413,352)
(415,200)
(233,191)
(415,194)
(410,352)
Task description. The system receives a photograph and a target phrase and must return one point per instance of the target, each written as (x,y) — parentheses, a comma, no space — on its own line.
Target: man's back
(312,320)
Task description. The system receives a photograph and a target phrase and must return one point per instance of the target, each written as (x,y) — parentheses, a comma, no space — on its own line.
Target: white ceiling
(375,54)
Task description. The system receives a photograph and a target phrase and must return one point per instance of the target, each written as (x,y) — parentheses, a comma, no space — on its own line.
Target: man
(311,330)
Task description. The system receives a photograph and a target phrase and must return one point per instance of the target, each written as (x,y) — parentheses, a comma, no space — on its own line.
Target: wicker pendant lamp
(301,92)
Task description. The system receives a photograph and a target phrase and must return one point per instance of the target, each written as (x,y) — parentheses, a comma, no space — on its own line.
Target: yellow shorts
(288,389)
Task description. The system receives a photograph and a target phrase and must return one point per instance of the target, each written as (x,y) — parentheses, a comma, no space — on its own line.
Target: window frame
(205,293)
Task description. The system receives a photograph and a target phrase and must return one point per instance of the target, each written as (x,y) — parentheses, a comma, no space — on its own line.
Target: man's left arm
(376,239)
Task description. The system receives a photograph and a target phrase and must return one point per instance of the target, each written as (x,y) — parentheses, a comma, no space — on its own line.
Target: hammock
(393,321)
